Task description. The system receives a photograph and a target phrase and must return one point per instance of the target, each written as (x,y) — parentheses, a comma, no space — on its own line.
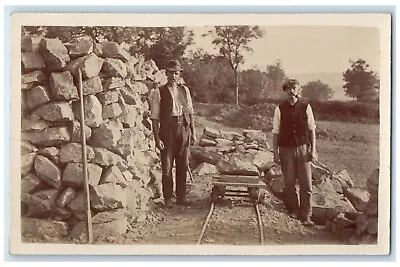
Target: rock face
(117,140)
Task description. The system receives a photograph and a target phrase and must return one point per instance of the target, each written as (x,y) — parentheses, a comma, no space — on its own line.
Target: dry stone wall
(123,165)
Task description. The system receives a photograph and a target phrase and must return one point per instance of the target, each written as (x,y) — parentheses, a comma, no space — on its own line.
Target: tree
(275,76)
(233,41)
(360,83)
(317,90)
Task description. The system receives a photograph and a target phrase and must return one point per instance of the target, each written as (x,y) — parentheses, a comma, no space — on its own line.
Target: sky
(307,49)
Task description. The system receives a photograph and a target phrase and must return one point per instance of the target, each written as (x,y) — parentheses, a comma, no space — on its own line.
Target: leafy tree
(275,76)
(253,84)
(233,41)
(360,83)
(208,77)
(317,90)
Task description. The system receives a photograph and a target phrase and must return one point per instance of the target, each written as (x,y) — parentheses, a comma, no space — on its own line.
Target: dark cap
(174,65)
(290,83)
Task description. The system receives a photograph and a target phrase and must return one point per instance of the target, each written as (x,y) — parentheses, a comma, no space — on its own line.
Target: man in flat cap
(173,127)
(294,145)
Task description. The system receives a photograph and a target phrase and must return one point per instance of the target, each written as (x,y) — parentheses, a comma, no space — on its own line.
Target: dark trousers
(296,166)
(176,148)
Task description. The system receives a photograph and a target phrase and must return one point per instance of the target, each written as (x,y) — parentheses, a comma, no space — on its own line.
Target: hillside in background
(333,79)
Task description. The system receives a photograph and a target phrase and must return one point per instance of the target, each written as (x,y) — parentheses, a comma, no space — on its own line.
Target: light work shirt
(181,102)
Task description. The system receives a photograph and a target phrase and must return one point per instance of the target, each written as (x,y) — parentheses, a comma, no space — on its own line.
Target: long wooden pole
(84,159)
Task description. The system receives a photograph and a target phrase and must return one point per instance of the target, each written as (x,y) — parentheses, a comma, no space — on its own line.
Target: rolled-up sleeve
(310,118)
(155,104)
(190,109)
(277,121)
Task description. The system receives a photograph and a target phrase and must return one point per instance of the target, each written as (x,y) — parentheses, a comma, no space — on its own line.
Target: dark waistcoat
(293,125)
(166,110)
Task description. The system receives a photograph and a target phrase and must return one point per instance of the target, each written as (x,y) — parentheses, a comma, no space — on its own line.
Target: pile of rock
(231,153)
(118,131)
(348,211)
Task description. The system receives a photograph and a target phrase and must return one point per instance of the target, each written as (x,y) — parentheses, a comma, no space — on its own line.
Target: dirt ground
(234,222)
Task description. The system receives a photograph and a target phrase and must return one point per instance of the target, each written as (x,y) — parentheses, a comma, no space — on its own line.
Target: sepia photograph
(195,134)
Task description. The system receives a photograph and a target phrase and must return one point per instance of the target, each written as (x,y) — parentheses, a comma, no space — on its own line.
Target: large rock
(210,132)
(113,83)
(129,139)
(75,129)
(55,111)
(72,152)
(319,173)
(66,197)
(130,96)
(236,164)
(34,124)
(205,169)
(30,43)
(263,160)
(107,196)
(113,50)
(29,183)
(47,137)
(92,86)
(105,225)
(35,77)
(109,224)
(108,97)
(203,154)
(31,61)
(228,135)
(107,134)
(42,203)
(78,205)
(114,68)
(37,96)
(62,86)
(73,174)
(344,179)
(51,153)
(325,203)
(138,87)
(130,116)
(105,158)
(89,64)
(27,147)
(255,135)
(81,48)
(54,53)
(43,228)
(111,111)
(204,142)
(93,111)
(27,161)
(357,197)
(113,175)
(47,171)
(277,185)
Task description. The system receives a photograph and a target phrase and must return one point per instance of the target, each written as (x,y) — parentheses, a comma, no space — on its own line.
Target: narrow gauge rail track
(220,190)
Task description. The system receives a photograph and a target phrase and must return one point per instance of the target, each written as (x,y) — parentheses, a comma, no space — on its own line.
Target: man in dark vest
(173,127)
(294,147)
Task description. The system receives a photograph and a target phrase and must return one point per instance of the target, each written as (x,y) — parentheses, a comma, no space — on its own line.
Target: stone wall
(120,149)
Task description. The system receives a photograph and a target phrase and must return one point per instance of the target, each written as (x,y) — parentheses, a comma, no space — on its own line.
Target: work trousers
(176,148)
(296,167)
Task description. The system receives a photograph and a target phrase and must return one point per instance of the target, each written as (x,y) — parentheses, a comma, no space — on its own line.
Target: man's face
(293,92)
(173,76)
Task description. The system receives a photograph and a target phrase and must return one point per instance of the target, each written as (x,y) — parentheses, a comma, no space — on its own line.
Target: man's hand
(313,155)
(159,144)
(277,160)
(192,139)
